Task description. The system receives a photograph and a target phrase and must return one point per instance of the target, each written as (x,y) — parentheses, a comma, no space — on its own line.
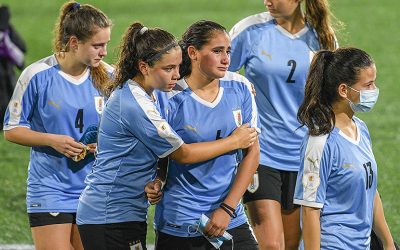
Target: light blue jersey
(276,62)
(196,189)
(132,136)
(339,176)
(49,101)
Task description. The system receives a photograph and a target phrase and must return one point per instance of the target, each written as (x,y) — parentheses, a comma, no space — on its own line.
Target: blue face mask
(216,242)
(368,99)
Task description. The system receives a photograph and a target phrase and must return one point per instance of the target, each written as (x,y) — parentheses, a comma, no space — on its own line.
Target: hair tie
(75,6)
(142,30)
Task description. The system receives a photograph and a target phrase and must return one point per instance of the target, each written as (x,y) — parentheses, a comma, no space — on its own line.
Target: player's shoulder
(40,67)
(235,80)
(110,69)
(252,23)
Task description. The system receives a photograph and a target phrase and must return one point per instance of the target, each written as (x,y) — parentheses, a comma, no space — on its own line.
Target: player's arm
(380,226)
(311,230)
(242,137)
(64,144)
(220,219)
(154,188)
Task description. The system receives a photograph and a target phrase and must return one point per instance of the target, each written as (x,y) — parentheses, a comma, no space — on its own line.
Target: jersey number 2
(293,64)
(79,120)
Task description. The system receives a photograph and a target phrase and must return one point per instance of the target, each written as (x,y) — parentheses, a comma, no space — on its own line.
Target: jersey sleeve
(151,129)
(22,102)
(249,107)
(240,48)
(312,178)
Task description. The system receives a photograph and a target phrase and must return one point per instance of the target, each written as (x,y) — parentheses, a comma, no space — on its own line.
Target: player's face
(214,57)
(165,72)
(366,81)
(92,51)
(282,8)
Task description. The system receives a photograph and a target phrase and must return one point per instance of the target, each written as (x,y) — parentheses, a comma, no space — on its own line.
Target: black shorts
(243,239)
(124,235)
(43,219)
(272,184)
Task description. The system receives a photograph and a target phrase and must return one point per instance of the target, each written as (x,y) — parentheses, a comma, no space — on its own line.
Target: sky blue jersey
(132,136)
(276,62)
(47,100)
(339,176)
(195,189)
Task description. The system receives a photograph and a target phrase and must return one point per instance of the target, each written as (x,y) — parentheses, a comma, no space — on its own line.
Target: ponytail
(319,16)
(140,43)
(316,112)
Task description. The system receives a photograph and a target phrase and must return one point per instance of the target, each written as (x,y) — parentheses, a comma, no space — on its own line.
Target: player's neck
(206,89)
(294,23)
(142,83)
(69,65)
(344,120)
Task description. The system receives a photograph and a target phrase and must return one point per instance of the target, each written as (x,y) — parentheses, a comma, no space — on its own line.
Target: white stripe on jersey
(312,161)
(22,85)
(163,128)
(249,21)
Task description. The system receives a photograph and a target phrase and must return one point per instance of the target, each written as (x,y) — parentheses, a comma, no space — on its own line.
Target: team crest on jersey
(15,107)
(237,115)
(311,181)
(163,130)
(254,184)
(99,102)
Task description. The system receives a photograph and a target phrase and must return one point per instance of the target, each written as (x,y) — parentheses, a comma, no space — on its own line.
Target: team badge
(311,181)
(163,130)
(99,102)
(254,184)
(136,245)
(237,115)
(15,107)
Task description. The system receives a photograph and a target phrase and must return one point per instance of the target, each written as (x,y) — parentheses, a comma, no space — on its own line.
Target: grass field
(370,25)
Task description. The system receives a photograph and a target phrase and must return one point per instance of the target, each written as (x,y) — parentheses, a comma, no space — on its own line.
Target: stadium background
(369,25)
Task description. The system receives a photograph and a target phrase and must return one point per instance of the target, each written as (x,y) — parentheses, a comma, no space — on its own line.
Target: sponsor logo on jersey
(347,165)
(265,53)
(188,127)
(314,163)
(99,102)
(237,115)
(52,103)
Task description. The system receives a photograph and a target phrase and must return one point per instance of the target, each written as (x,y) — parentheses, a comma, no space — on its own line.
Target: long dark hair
(140,43)
(320,18)
(197,35)
(327,71)
(81,21)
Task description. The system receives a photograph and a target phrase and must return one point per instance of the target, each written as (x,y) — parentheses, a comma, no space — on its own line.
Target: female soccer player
(132,136)
(337,180)
(275,48)
(56,99)
(212,103)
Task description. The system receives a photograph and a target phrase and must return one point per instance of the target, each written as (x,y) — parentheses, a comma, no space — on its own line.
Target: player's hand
(66,145)
(92,147)
(244,136)
(217,224)
(153,191)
